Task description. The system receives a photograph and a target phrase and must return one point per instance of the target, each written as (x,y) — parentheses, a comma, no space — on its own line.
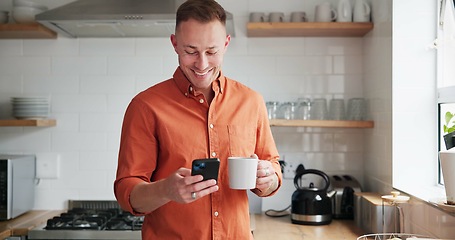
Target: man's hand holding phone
(208,168)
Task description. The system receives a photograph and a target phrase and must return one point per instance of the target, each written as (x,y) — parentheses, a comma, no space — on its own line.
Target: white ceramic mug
(298,17)
(276,17)
(324,13)
(257,17)
(362,11)
(344,11)
(242,172)
(448,173)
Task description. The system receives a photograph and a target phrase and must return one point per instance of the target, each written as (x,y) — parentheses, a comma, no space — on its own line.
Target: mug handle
(334,14)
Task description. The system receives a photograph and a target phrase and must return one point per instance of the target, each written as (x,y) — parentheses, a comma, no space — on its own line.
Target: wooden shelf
(25,30)
(308,29)
(321,123)
(28,122)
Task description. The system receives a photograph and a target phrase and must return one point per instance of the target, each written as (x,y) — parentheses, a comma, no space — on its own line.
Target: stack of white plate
(30,107)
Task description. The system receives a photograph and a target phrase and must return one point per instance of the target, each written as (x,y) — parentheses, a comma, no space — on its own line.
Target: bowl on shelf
(24,14)
(25,3)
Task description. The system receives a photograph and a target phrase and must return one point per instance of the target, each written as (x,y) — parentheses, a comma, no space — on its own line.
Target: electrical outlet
(290,167)
(47,166)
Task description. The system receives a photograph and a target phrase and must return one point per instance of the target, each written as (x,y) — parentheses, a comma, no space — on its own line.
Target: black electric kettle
(310,205)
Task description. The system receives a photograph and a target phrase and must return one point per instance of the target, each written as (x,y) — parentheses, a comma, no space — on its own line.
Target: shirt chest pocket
(242,140)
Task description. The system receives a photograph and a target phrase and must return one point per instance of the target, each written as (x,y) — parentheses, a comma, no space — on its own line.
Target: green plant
(449,125)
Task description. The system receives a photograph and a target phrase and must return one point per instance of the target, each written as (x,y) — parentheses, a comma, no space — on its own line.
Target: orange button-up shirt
(167,126)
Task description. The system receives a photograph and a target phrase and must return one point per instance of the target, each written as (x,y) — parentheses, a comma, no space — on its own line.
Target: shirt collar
(184,84)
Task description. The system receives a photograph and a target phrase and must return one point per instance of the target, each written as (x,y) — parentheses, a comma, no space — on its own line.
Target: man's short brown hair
(203,11)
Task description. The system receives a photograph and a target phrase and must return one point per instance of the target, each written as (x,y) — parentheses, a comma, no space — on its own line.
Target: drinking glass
(303,108)
(319,109)
(357,109)
(336,109)
(272,109)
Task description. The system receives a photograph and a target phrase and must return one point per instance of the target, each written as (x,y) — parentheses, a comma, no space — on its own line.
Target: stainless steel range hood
(116,18)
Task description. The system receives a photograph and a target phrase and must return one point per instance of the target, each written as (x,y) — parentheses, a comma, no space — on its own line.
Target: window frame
(445,88)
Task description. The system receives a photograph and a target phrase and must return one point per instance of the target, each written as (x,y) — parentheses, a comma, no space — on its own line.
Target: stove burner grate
(93,219)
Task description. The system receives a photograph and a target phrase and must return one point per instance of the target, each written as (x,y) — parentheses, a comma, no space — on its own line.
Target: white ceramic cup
(324,13)
(257,17)
(298,17)
(276,17)
(448,169)
(344,11)
(242,172)
(362,11)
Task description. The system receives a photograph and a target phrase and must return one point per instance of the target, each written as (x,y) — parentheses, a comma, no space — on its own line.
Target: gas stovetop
(91,220)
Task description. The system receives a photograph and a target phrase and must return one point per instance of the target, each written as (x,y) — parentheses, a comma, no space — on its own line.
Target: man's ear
(174,41)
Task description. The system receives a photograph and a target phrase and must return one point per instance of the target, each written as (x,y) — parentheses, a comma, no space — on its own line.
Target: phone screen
(207,167)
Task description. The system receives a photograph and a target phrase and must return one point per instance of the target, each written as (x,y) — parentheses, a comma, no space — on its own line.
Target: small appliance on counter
(343,202)
(17,185)
(311,205)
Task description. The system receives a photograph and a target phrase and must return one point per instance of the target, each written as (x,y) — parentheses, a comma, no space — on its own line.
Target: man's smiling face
(200,48)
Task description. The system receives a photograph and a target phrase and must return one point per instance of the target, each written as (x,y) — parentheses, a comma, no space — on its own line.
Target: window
(446,71)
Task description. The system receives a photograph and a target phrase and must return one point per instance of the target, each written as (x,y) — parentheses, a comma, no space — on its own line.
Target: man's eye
(191,53)
(211,53)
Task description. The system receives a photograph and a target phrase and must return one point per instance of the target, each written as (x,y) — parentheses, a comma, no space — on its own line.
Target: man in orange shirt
(198,113)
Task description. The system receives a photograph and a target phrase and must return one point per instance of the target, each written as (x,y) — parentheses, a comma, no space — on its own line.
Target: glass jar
(303,108)
(288,110)
(272,109)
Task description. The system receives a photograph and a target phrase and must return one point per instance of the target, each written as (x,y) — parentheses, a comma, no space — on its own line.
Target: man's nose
(202,62)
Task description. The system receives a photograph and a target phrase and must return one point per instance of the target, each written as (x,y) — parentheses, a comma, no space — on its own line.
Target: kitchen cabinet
(28,122)
(308,29)
(25,30)
(321,123)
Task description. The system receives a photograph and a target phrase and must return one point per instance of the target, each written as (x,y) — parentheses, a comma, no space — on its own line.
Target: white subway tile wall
(91,81)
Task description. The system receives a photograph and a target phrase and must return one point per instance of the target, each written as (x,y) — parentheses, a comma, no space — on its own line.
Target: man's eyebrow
(194,47)
(190,46)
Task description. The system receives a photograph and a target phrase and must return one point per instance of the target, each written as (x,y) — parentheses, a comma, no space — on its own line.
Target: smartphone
(207,167)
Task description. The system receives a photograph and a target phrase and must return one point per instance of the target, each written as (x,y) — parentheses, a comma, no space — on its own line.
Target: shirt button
(191,89)
(216,214)
(186,94)
(213,154)
(211,125)
(201,100)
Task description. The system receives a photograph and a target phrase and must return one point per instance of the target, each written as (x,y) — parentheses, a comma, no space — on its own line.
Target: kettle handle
(313,171)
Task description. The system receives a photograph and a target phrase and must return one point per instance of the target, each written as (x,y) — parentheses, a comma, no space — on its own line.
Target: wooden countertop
(273,228)
(264,227)
(20,226)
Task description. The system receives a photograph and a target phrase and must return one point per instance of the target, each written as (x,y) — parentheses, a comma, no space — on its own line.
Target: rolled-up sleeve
(137,153)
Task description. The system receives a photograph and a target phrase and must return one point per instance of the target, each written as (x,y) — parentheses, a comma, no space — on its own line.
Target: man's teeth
(201,74)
